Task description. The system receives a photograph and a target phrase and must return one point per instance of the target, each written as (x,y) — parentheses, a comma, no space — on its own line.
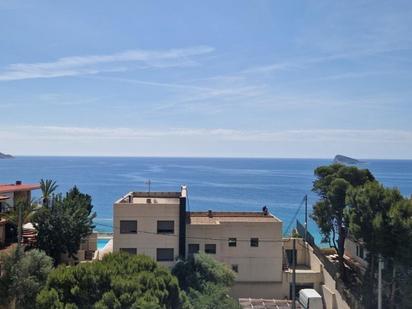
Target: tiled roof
(6,188)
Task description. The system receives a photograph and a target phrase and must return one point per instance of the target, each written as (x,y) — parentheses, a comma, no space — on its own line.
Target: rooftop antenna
(148,183)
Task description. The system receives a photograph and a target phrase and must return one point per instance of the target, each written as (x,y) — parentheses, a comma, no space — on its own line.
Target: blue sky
(206,78)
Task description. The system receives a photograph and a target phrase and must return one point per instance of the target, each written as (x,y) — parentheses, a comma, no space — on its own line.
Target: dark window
(129,250)
(361,252)
(289,254)
(232,242)
(254,242)
(235,268)
(128,227)
(210,248)
(193,248)
(164,254)
(165,227)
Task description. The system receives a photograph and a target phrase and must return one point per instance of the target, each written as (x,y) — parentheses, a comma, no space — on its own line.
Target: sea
(218,184)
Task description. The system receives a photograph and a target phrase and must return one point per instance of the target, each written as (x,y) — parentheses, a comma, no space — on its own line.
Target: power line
(295,215)
(198,238)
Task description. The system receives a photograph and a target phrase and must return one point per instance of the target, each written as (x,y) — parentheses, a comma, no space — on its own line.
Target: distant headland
(5,156)
(345,160)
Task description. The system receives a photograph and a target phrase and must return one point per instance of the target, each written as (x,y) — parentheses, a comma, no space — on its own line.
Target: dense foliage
(382,219)
(120,280)
(63,223)
(23,276)
(353,202)
(206,281)
(332,184)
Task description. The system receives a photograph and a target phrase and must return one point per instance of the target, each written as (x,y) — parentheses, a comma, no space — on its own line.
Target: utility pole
(19,225)
(306,217)
(294,274)
(148,183)
(380,267)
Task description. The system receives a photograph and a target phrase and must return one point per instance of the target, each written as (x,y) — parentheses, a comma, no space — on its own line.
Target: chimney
(18,182)
(210,213)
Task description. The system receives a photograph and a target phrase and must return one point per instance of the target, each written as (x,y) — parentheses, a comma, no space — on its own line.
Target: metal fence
(301,230)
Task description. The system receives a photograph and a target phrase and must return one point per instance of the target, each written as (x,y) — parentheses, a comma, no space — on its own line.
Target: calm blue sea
(214,183)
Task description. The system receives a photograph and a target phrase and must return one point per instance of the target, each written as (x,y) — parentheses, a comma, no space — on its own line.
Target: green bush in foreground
(206,281)
(23,276)
(120,280)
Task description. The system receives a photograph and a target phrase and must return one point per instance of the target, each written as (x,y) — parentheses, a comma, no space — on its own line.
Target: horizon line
(203,157)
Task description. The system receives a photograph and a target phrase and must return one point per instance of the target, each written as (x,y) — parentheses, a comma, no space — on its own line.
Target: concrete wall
(89,244)
(327,288)
(350,251)
(146,241)
(261,264)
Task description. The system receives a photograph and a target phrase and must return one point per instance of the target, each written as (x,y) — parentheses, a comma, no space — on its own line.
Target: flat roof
(6,188)
(157,194)
(227,216)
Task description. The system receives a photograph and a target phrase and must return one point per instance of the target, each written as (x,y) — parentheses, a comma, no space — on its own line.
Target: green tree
(331,184)
(23,276)
(120,280)
(206,281)
(48,187)
(64,223)
(27,208)
(400,216)
(368,217)
(382,218)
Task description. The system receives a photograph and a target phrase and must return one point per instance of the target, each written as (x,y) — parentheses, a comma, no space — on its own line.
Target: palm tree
(47,187)
(28,209)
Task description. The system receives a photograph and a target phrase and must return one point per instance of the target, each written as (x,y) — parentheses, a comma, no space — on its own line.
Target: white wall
(146,241)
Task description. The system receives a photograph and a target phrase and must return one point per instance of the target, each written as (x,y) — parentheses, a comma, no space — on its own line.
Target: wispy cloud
(93,64)
(318,135)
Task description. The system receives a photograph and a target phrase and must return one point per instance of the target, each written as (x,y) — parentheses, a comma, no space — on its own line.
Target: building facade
(10,196)
(158,225)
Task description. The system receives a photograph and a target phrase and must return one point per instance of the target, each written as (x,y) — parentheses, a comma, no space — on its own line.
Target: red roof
(6,188)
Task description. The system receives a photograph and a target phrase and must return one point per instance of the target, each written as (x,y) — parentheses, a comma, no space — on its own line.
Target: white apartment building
(157,224)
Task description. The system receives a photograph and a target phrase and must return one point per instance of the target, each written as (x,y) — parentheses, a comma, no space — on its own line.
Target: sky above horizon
(206,78)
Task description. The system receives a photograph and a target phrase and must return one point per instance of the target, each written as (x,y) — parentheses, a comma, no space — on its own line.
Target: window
(289,254)
(361,252)
(193,248)
(129,250)
(232,242)
(210,248)
(164,254)
(235,268)
(128,227)
(165,227)
(254,242)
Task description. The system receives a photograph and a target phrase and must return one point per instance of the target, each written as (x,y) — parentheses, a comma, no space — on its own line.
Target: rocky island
(345,160)
(5,156)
